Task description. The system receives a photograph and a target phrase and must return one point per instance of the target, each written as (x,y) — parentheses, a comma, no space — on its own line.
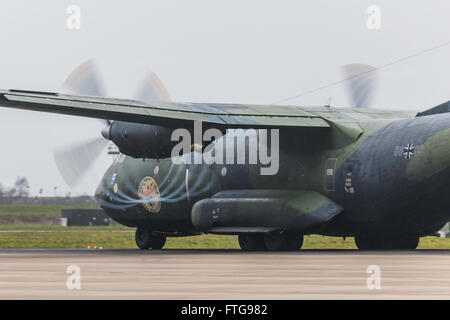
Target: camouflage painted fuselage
(393,178)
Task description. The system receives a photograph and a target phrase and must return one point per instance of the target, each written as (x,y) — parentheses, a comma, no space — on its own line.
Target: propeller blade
(361,83)
(152,89)
(73,162)
(85,80)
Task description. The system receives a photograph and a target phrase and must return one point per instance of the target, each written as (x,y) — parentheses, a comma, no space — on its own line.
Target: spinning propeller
(74,161)
(361,83)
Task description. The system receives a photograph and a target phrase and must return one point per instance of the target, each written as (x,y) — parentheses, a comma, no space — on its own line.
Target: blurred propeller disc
(361,83)
(74,161)
(152,89)
(85,80)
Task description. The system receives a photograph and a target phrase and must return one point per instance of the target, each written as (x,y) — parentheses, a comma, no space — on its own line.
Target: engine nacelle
(140,140)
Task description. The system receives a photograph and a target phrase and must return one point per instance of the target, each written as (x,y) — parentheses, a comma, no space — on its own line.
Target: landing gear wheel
(283,242)
(409,243)
(146,239)
(158,241)
(365,242)
(142,237)
(251,242)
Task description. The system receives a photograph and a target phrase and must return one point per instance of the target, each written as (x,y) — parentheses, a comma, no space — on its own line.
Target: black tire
(401,242)
(143,239)
(295,242)
(251,242)
(409,243)
(158,241)
(283,242)
(146,239)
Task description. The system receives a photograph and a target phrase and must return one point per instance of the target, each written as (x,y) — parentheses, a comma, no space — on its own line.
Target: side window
(330,171)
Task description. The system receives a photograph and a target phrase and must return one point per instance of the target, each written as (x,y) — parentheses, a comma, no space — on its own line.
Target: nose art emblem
(149,194)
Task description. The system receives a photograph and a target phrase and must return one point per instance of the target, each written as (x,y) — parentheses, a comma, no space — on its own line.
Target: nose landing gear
(147,239)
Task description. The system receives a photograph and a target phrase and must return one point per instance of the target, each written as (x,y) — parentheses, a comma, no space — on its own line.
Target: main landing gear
(397,242)
(270,242)
(147,239)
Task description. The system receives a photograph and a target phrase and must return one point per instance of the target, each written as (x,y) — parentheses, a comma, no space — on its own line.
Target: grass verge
(31,236)
(36,226)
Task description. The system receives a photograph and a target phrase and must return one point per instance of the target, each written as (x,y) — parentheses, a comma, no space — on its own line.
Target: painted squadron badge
(149,194)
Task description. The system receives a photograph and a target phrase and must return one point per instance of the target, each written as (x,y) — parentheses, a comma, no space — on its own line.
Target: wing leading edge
(175,114)
(178,114)
(161,113)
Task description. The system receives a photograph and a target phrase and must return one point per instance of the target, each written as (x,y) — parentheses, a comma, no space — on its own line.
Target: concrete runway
(207,274)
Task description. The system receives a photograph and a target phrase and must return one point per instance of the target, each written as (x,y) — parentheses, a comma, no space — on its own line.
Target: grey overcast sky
(252,51)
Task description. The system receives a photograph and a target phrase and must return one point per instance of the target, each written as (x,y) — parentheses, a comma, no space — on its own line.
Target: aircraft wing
(179,114)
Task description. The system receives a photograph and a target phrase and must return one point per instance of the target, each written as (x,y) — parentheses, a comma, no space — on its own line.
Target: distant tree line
(21,189)
(20,194)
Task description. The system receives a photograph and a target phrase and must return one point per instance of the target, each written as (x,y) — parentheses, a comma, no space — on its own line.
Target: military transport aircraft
(380,176)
